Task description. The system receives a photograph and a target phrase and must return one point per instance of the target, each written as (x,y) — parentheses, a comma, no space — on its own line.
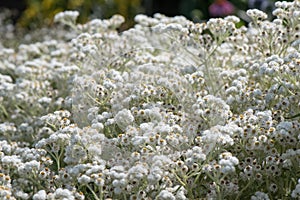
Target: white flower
(284,126)
(98,126)
(257,14)
(66,16)
(116,20)
(95,169)
(95,150)
(11,160)
(232,18)
(296,192)
(145,20)
(22,195)
(218,135)
(118,190)
(234,160)
(181,194)
(165,195)
(124,118)
(40,195)
(45,101)
(138,171)
(260,196)
(156,173)
(62,194)
(227,166)
(84,179)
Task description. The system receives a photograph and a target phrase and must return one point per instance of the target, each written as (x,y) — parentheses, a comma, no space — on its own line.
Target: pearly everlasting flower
(296,191)
(98,126)
(61,194)
(124,118)
(260,196)
(84,179)
(21,195)
(11,160)
(66,16)
(165,195)
(40,195)
(181,194)
(116,20)
(92,112)
(257,14)
(232,18)
(145,20)
(228,165)
(217,135)
(138,172)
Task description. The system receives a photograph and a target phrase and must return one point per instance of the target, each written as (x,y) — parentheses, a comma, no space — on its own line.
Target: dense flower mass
(169,109)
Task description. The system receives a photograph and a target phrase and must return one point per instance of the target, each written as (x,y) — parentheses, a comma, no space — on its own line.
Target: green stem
(56,157)
(178,178)
(197,177)
(241,192)
(101,193)
(52,126)
(4,111)
(57,161)
(206,64)
(92,191)
(219,193)
(283,85)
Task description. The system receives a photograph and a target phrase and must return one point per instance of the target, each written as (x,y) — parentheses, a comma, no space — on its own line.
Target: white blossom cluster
(169,109)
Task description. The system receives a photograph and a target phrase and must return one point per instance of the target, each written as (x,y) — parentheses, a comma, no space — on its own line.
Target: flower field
(167,110)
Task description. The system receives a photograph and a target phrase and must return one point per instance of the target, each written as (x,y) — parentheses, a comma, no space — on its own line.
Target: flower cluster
(168,109)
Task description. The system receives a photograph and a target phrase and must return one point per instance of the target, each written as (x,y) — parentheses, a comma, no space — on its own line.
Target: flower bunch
(168,109)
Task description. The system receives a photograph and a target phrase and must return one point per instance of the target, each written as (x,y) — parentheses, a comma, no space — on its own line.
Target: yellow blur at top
(40,13)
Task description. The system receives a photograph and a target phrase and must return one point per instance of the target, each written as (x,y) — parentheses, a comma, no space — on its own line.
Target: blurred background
(33,14)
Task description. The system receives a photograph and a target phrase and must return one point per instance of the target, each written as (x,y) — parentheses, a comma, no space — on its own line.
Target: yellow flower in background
(39,13)
(123,6)
(47,4)
(128,9)
(75,3)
